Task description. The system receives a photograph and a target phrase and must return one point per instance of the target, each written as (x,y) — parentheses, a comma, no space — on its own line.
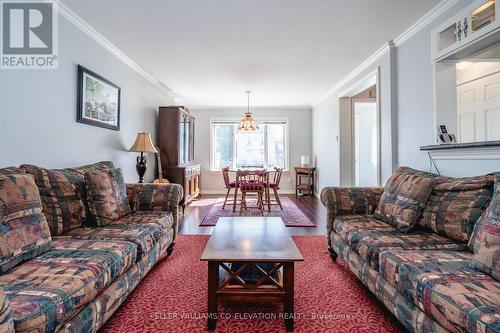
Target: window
(263,148)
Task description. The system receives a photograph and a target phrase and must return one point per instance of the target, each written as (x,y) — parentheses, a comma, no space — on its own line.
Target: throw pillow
(404,197)
(11,170)
(63,195)
(107,196)
(485,240)
(456,204)
(24,233)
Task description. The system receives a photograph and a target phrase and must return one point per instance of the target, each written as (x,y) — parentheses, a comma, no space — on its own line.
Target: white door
(479,109)
(365,144)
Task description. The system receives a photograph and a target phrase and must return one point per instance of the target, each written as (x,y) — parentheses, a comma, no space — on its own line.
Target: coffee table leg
(213,283)
(289,293)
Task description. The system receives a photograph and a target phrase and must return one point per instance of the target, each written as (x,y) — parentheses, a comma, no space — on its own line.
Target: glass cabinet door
(182,139)
(448,36)
(187,135)
(483,15)
(191,141)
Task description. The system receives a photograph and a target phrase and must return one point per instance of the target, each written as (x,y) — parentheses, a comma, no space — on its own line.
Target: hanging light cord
(248,100)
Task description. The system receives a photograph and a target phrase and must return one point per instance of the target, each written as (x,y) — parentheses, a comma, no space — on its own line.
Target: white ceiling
(289,52)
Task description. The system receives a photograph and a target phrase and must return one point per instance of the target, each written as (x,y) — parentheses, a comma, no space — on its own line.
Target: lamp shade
(143,144)
(304,161)
(248,123)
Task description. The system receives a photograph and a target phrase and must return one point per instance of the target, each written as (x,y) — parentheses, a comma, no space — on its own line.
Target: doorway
(360,134)
(365,143)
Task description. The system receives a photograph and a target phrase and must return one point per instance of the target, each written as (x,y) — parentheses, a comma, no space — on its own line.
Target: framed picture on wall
(98,100)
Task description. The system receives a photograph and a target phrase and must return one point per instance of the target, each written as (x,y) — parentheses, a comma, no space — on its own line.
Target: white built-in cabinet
(475,24)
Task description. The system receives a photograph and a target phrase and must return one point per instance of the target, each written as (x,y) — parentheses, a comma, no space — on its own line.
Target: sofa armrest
(156,197)
(349,201)
(6,321)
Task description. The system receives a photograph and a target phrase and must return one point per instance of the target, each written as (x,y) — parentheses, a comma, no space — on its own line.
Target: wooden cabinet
(189,177)
(176,135)
(476,24)
(176,142)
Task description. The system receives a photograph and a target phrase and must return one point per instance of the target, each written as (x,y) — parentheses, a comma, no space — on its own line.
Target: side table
(304,180)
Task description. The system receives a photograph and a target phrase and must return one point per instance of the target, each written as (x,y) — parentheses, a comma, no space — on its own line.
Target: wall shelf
(458,146)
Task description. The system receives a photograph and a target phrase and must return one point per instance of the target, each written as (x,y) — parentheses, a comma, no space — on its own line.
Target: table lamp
(304,161)
(142,144)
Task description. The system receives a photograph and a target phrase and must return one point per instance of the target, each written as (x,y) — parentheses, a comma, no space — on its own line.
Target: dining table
(251,169)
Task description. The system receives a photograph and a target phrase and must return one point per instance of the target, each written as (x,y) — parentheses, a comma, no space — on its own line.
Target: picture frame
(98,100)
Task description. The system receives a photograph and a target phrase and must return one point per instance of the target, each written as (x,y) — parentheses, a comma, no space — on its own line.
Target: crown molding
(357,71)
(424,21)
(86,28)
(421,23)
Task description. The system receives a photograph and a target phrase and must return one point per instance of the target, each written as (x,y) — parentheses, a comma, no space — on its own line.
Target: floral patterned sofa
(75,242)
(427,246)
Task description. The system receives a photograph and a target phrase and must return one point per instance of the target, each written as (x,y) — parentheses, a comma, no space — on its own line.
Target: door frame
(347,101)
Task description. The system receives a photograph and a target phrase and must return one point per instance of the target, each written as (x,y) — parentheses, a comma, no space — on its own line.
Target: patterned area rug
(291,215)
(328,298)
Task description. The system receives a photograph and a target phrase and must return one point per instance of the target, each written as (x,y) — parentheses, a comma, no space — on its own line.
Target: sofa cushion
(6,322)
(485,241)
(11,170)
(47,291)
(456,204)
(141,228)
(347,225)
(24,233)
(391,261)
(404,198)
(63,195)
(370,244)
(448,289)
(107,196)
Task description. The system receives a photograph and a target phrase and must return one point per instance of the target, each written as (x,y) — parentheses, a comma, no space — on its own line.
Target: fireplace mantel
(461,146)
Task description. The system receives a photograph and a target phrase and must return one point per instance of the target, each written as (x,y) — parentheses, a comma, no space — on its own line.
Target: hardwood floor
(310,206)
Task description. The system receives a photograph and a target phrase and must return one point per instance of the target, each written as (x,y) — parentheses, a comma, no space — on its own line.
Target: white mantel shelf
(488,150)
(459,146)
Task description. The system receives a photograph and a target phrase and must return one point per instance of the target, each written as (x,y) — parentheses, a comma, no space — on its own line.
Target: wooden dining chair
(228,184)
(252,182)
(275,186)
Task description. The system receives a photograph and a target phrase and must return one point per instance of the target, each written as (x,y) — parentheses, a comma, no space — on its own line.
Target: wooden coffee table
(251,259)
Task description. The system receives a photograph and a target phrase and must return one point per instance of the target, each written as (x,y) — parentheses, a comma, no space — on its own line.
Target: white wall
(326,128)
(300,141)
(407,114)
(326,150)
(38,110)
(415,108)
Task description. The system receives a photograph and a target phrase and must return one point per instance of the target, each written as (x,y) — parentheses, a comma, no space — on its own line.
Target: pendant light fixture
(248,123)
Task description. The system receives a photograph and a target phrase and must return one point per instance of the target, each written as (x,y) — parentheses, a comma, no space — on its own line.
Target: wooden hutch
(176,143)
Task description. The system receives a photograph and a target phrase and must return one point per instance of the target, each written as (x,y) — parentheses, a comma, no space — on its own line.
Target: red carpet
(328,298)
(291,215)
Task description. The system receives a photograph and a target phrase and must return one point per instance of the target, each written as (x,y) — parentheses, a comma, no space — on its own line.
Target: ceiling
(288,52)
